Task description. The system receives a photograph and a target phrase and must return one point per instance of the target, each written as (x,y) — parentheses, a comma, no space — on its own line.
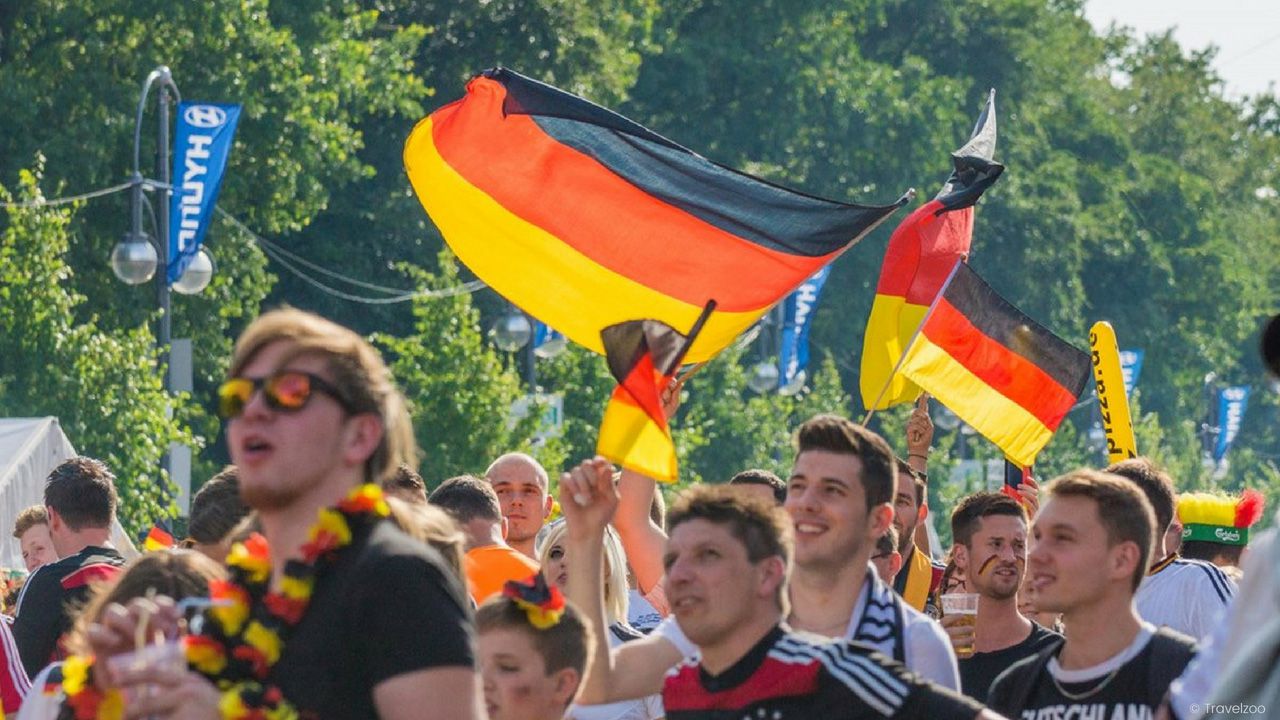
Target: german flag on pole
(585,219)
(643,356)
(999,370)
(921,252)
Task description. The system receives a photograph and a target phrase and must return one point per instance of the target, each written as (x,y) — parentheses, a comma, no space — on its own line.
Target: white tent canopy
(29,449)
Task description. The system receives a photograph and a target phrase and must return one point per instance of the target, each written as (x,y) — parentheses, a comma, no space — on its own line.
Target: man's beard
(906,541)
(269,497)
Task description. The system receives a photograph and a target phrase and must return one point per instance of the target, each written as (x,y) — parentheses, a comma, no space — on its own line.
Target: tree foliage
(100,383)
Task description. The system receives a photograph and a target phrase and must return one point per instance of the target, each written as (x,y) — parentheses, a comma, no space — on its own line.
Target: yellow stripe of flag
(631,439)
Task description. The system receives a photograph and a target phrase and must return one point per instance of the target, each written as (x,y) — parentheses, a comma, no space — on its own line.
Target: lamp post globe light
(764,377)
(511,331)
(197,276)
(552,347)
(134,259)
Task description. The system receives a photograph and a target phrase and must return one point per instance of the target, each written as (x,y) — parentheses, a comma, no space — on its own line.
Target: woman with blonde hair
(554,560)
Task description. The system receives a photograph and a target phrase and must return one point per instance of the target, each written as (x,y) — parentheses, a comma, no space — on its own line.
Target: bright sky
(1246,33)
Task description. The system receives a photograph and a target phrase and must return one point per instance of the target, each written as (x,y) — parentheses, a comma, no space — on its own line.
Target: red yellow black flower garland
(245,631)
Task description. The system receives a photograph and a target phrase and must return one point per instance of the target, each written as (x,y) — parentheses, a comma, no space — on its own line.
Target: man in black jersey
(990,534)
(80,496)
(727,562)
(1093,539)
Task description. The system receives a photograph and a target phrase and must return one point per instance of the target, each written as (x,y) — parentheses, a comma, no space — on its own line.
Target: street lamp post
(136,259)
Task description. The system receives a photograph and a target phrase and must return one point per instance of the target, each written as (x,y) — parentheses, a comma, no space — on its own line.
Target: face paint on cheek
(986,565)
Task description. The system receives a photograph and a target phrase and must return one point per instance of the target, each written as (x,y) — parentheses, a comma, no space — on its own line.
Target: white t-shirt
(641,613)
(1186,596)
(646,708)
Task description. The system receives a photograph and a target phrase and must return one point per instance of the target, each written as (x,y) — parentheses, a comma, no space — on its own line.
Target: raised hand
(588,497)
(1029,491)
(920,429)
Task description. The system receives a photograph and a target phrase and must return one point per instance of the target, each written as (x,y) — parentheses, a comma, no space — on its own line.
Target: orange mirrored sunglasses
(284,390)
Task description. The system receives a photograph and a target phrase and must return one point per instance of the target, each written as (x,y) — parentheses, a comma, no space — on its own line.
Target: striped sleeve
(14,685)
(870,677)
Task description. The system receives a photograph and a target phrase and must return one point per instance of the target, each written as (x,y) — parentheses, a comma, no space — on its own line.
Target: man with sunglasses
(311,413)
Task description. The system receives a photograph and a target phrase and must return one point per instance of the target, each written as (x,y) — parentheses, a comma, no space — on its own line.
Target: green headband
(1220,534)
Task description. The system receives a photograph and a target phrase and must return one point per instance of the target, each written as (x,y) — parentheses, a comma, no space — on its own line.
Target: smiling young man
(312,413)
(523,491)
(990,534)
(1093,539)
(727,562)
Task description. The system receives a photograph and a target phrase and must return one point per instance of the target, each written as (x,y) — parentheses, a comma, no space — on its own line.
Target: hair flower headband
(542,603)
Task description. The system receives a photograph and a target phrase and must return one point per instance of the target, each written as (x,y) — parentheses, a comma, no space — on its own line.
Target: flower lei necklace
(244,632)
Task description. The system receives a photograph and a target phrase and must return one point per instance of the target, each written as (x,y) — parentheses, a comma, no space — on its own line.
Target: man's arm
(448,693)
(642,540)
(588,499)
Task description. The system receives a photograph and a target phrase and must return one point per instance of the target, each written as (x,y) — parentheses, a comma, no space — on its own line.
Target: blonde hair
(358,371)
(616,587)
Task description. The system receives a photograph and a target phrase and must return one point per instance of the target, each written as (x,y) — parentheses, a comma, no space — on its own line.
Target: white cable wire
(66,200)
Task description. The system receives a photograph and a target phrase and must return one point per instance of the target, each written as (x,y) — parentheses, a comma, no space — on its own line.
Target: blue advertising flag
(1131,368)
(1232,402)
(793,356)
(204,135)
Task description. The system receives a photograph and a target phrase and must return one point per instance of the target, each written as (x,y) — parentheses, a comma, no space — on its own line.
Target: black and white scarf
(881,622)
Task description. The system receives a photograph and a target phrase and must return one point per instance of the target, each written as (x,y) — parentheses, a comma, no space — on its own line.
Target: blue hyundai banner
(547,341)
(793,356)
(1232,402)
(204,135)
(1131,368)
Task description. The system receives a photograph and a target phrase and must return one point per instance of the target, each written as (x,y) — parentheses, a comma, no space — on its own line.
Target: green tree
(101,384)
(307,74)
(460,389)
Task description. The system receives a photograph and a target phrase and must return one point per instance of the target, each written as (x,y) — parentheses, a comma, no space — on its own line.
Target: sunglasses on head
(285,390)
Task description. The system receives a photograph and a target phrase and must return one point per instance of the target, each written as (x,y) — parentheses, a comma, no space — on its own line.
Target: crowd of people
(323,577)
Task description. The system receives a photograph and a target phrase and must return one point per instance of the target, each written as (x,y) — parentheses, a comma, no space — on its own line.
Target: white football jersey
(1185,595)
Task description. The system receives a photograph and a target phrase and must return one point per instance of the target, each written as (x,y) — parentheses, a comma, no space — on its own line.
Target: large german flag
(585,219)
(999,370)
(643,356)
(921,252)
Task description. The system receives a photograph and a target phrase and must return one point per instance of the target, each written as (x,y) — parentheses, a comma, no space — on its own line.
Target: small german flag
(999,370)
(920,255)
(157,539)
(643,356)
(585,219)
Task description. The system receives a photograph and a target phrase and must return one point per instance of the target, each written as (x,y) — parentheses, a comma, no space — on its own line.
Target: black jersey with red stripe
(51,595)
(797,676)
